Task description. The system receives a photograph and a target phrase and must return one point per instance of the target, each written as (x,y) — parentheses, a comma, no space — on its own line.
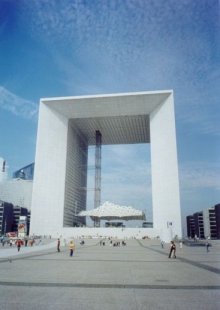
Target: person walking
(26,241)
(71,247)
(19,243)
(58,245)
(207,246)
(172,250)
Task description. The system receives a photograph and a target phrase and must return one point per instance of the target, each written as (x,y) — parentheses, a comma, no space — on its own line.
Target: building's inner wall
(76,177)
(81,134)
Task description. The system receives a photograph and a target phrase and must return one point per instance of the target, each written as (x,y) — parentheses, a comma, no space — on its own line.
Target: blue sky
(66,48)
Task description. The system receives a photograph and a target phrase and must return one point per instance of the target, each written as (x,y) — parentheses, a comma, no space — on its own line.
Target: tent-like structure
(111,211)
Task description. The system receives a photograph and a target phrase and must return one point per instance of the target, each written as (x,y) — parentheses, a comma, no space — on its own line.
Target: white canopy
(112,211)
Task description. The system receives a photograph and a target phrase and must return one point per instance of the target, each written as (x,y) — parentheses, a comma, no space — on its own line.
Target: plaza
(136,276)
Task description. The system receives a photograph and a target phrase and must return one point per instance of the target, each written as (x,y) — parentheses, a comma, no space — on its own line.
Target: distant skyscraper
(6,217)
(3,170)
(18,190)
(25,173)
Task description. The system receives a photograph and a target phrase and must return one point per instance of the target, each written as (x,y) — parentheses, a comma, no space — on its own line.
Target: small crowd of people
(114,243)
(118,243)
(18,242)
(71,246)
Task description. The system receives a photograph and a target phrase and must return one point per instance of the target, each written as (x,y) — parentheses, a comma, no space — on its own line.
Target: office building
(190,222)
(3,170)
(6,217)
(25,173)
(68,126)
(204,224)
(217,215)
(209,220)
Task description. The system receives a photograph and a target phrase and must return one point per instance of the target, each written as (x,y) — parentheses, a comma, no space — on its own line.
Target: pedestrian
(172,249)
(19,243)
(58,245)
(71,247)
(162,244)
(207,246)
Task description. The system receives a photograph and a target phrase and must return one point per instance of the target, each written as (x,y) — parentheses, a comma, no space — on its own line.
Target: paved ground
(137,276)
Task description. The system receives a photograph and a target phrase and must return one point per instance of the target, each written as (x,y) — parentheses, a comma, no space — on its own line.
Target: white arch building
(66,128)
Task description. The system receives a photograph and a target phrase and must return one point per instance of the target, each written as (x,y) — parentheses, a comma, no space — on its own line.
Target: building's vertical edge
(50,167)
(217,217)
(206,222)
(164,167)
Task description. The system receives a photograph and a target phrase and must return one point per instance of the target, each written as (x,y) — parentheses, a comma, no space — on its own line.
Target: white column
(164,169)
(50,168)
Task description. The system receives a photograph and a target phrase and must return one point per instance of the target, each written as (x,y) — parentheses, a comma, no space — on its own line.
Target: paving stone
(137,276)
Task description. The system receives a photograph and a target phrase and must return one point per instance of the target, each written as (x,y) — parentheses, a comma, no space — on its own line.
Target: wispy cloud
(17,105)
(134,45)
(200,175)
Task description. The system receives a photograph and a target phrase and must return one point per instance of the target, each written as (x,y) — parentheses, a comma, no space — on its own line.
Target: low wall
(102,232)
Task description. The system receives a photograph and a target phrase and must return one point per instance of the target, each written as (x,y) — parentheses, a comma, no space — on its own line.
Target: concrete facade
(209,220)
(67,127)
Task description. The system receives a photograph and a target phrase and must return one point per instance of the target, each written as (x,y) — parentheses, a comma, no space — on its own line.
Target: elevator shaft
(98,146)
